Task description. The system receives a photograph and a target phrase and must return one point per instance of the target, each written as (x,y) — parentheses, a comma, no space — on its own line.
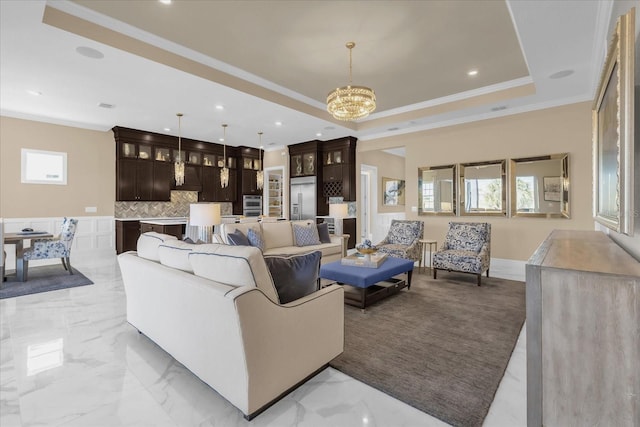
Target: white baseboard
(95,237)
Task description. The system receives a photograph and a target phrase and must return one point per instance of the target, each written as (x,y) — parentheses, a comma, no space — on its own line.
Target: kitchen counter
(171,221)
(142,219)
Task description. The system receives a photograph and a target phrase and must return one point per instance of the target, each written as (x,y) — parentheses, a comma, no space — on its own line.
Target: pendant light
(224,172)
(260,173)
(179,165)
(350,103)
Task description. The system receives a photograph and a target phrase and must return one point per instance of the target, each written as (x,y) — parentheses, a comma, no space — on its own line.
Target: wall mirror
(437,190)
(483,188)
(540,186)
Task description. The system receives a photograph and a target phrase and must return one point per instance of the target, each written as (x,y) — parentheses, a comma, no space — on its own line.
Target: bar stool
(424,243)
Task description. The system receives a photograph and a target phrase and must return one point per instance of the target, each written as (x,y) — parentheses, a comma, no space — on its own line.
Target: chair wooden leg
(434,272)
(63,263)
(69,265)
(479,278)
(25,270)
(487,272)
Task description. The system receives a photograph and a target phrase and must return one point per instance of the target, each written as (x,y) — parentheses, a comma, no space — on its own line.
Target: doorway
(274,194)
(368,199)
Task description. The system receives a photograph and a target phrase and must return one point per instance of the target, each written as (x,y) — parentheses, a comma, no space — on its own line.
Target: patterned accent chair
(56,247)
(466,248)
(403,239)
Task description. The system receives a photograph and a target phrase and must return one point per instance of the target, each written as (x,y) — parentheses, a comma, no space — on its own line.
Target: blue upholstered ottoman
(370,284)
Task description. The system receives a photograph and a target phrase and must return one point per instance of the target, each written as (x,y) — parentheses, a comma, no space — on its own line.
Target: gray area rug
(43,279)
(441,347)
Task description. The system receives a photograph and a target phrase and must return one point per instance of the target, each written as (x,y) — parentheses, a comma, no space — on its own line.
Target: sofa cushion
(323,233)
(327,249)
(227,228)
(294,276)
(175,254)
(277,234)
(305,235)
(148,244)
(234,266)
(238,238)
(255,238)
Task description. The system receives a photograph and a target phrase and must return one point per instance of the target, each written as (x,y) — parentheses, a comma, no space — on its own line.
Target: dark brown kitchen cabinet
(339,169)
(127,233)
(176,230)
(163,176)
(250,183)
(229,193)
(135,180)
(210,179)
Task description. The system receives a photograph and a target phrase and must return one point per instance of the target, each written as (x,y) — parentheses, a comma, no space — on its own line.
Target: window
(525,192)
(484,194)
(43,167)
(427,196)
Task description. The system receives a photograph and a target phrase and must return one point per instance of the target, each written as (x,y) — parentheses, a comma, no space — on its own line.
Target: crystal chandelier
(224,172)
(179,165)
(349,103)
(260,173)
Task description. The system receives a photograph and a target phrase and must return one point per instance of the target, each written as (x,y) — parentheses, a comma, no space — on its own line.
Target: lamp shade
(338,210)
(204,214)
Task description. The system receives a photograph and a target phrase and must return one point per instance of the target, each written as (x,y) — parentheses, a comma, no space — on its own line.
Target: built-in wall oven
(251,205)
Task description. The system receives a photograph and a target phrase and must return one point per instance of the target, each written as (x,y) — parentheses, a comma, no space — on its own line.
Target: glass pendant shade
(260,173)
(179,164)
(224,172)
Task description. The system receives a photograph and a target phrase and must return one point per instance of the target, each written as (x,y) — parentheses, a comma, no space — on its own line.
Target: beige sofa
(215,309)
(279,239)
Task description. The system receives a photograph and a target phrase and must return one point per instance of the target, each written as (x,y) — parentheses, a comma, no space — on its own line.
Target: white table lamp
(338,211)
(205,216)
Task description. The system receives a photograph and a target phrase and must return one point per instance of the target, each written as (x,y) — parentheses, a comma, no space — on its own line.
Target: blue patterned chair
(466,248)
(403,240)
(56,247)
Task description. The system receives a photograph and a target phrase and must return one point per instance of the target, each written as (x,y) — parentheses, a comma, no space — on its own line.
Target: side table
(424,243)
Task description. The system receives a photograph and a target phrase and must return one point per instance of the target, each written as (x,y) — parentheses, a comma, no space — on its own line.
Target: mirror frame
(564,211)
(461,186)
(452,212)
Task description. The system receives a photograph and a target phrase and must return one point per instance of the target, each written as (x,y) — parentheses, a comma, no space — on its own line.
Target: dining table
(18,240)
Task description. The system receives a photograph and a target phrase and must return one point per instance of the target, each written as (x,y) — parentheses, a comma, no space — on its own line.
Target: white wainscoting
(380,224)
(95,237)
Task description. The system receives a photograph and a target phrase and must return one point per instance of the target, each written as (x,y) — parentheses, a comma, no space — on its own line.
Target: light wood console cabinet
(583,332)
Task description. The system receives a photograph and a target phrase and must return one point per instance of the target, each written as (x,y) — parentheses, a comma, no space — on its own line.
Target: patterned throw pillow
(306,235)
(255,238)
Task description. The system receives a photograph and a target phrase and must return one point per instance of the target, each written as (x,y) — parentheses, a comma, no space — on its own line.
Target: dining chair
(56,247)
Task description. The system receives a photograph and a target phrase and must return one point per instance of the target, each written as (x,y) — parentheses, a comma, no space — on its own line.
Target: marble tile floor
(69,358)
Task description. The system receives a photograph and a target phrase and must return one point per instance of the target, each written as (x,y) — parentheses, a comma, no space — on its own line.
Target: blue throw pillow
(255,238)
(294,276)
(238,238)
(306,235)
(323,233)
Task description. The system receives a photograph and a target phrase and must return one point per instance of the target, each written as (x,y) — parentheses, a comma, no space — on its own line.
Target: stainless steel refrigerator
(303,198)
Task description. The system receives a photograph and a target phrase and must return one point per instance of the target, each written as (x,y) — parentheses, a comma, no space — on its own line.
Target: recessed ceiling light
(221,139)
(167,129)
(34,92)
(105,105)
(472,73)
(278,123)
(561,74)
(318,134)
(89,52)
(219,107)
(165,1)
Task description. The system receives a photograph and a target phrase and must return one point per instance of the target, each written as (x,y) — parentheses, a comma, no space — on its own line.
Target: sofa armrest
(284,344)
(343,240)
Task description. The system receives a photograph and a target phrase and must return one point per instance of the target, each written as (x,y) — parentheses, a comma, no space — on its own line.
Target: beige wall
(90,170)
(389,166)
(554,130)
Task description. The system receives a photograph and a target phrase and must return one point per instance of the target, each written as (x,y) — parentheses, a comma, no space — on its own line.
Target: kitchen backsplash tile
(177,207)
